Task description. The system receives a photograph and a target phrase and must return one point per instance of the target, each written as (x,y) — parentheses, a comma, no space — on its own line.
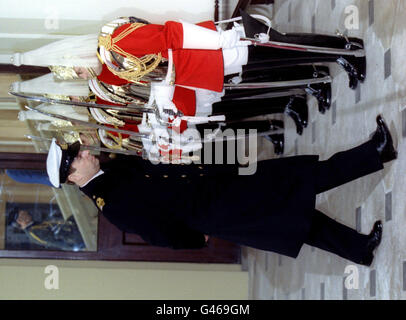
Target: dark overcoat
(175,205)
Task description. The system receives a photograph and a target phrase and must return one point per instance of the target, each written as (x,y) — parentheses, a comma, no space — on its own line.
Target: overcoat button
(183,175)
(146,176)
(200,167)
(201,174)
(165,176)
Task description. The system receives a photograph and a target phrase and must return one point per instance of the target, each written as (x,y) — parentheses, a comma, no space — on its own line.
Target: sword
(276,84)
(143,154)
(274,95)
(98,126)
(93,148)
(129,108)
(89,124)
(212,137)
(306,48)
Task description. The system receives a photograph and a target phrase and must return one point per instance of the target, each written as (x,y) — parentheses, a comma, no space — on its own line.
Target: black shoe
(383,141)
(351,70)
(297,109)
(359,63)
(352,63)
(374,240)
(278,142)
(322,92)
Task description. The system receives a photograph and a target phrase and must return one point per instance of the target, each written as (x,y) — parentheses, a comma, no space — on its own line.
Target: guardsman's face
(82,73)
(85,167)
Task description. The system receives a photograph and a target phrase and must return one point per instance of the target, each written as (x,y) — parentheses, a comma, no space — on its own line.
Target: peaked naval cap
(59,161)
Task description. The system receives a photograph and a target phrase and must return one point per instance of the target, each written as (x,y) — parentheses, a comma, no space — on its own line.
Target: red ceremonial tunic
(193,67)
(108,77)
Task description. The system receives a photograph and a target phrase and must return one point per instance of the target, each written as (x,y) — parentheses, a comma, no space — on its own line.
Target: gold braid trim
(64,73)
(138,67)
(37,238)
(118,140)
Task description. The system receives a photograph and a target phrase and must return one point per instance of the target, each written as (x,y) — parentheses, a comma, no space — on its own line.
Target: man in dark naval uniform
(274,209)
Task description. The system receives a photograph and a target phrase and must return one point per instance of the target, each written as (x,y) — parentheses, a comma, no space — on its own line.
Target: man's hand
(206,237)
(75,99)
(162,95)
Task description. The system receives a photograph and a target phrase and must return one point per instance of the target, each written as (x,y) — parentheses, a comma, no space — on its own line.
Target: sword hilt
(170,112)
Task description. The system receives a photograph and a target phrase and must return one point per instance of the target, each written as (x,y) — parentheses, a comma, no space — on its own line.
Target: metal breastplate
(127,93)
(114,117)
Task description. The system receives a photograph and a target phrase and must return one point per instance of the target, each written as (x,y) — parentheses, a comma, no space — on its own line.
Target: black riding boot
(259,57)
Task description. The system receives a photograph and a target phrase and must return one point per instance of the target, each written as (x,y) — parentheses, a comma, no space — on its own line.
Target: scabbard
(306,48)
(276,84)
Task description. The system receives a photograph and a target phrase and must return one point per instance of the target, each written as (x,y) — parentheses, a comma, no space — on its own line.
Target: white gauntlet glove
(163,95)
(231,38)
(262,37)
